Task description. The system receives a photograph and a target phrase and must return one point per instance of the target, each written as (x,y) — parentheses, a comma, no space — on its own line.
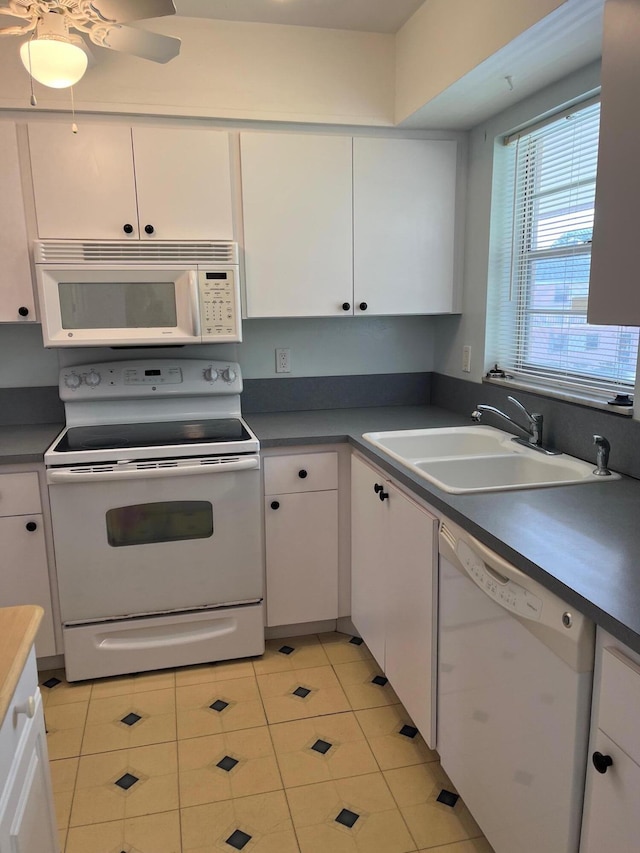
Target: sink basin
(480,459)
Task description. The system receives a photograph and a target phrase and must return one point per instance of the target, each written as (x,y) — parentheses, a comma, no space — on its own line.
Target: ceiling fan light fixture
(52,57)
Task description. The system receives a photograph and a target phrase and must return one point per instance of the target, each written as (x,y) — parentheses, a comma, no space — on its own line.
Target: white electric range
(156,507)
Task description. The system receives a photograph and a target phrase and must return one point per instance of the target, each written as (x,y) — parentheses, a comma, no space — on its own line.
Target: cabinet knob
(149,229)
(275,504)
(378,488)
(128,228)
(31,526)
(302,474)
(601,762)
(28,708)
(23,311)
(383,495)
(363,306)
(346,306)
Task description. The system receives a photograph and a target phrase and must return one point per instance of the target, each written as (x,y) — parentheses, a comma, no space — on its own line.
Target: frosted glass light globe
(54,61)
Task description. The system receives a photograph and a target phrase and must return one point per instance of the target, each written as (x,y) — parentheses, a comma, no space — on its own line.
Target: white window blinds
(537,318)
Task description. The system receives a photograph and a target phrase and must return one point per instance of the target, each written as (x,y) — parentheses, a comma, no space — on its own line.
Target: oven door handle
(98,475)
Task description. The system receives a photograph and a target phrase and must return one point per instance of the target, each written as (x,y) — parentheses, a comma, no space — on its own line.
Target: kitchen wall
(319,347)
(452,333)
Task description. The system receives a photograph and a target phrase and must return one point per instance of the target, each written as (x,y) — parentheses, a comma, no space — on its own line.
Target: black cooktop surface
(115,436)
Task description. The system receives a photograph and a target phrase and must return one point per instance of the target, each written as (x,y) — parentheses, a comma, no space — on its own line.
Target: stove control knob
(92,378)
(229,374)
(210,374)
(72,380)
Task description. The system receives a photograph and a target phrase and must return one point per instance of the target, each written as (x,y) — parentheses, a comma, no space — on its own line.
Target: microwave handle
(194,297)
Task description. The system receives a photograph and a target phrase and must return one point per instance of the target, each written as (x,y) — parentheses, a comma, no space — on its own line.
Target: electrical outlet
(466,359)
(283,360)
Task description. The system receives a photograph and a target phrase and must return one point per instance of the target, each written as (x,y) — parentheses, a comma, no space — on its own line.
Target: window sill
(560,394)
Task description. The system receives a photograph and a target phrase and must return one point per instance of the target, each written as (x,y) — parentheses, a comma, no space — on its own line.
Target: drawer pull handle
(29,707)
(31,526)
(601,762)
(302,474)
(275,504)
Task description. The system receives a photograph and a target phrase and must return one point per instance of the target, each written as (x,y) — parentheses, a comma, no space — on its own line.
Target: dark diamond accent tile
(322,746)
(227,763)
(302,692)
(380,680)
(127,781)
(347,818)
(409,731)
(131,719)
(238,839)
(356,641)
(219,705)
(51,682)
(286,650)
(447,797)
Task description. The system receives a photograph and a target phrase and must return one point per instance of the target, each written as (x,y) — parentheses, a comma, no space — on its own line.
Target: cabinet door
(27,823)
(411,605)
(17,301)
(301,532)
(83,182)
(404,194)
(24,575)
(369,526)
(296,192)
(612,818)
(183,182)
(614,296)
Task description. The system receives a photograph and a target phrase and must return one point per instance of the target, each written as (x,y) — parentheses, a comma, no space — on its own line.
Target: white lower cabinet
(393,578)
(23,557)
(301,536)
(611,819)
(27,815)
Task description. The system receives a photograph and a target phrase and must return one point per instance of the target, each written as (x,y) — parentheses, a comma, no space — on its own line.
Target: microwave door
(84,306)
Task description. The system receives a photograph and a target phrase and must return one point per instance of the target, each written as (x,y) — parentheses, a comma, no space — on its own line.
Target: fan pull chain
(32,100)
(74,126)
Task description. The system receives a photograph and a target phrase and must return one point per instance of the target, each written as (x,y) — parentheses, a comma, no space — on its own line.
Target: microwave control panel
(219,292)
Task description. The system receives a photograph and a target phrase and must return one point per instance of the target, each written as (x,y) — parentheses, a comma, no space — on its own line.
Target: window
(537,318)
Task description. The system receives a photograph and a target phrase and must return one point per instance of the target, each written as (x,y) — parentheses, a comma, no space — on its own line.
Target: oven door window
(165,521)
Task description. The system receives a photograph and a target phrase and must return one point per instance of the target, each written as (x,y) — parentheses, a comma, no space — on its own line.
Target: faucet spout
(533,428)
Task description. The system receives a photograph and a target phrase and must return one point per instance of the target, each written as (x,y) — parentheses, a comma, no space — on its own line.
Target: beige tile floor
(260,755)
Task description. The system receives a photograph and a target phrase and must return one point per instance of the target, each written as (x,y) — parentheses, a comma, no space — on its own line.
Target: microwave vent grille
(139,252)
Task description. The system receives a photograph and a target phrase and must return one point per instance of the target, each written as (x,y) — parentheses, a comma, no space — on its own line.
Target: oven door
(153,537)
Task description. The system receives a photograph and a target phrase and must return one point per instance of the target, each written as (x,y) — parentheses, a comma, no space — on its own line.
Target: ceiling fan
(58,58)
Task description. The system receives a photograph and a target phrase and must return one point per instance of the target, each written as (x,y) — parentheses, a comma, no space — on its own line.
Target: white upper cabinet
(337,226)
(404,193)
(614,296)
(296,194)
(17,301)
(109,182)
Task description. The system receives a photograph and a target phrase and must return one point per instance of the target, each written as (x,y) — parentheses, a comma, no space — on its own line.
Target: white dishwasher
(515,667)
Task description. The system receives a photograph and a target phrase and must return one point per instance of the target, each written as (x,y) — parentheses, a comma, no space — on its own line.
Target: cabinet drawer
(620,700)
(303,472)
(14,723)
(19,494)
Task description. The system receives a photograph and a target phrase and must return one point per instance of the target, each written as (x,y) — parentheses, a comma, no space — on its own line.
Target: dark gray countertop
(580,541)
(26,442)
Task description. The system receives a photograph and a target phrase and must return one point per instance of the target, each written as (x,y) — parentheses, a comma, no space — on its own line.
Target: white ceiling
(378,16)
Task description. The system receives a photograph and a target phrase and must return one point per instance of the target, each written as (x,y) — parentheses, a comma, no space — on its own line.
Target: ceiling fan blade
(153,46)
(133,10)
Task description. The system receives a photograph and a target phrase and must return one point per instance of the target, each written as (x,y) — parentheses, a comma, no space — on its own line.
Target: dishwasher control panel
(506,592)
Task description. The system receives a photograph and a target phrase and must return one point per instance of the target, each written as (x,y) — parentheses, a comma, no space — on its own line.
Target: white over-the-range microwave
(121,293)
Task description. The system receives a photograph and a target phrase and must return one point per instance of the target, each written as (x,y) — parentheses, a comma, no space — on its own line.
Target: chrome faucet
(533,429)
(602,456)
